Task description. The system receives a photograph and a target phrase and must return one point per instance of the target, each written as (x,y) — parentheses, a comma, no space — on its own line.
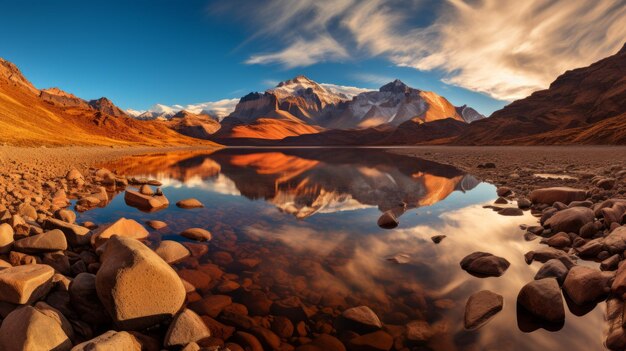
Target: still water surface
(309,216)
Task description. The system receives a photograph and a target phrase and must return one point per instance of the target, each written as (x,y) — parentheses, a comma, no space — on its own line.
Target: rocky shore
(111,286)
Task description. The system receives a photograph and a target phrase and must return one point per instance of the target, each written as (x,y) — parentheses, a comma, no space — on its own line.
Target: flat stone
(376,341)
(145,202)
(75,234)
(136,286)
(156,225)
(511,211)
(50,241)
(25,284)
(484,264)
(189,203)
(480,307)
(197,234)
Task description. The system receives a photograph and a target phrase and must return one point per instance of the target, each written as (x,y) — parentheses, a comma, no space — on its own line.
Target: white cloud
(304,53)
(504,49)
(342,89)
(220,108)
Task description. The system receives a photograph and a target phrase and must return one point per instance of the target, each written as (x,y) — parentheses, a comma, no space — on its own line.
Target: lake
(304,221)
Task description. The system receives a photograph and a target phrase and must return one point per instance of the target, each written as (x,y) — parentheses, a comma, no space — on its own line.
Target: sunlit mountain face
(309,181)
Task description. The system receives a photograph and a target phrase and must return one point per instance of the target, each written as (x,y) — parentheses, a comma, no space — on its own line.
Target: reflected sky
(310,216)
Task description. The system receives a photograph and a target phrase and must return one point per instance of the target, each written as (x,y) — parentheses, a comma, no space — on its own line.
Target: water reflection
(309,218)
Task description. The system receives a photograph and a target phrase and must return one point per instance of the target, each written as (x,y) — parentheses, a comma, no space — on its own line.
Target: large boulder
(50,241)
(186,327)
(480,307)
(542,298)
(25,284)
(109,341)
(584,285)
(570,220)
(135,285)
(84,299)
(484,264)
(557,194)
(27,328)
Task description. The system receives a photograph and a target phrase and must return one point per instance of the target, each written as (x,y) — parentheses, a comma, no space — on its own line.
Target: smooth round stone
(197,234)
(189,203)
(172,251)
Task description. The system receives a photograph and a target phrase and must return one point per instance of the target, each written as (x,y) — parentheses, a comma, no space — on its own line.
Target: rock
(388,220)
(615,242)
(75,234)
(137,288)
(25,284)
(606,183)
(363,316)
(189,203)
(501,201)
(156,225)
(57,316)
(553,268)
(588,230)
(480,307)
(197,234)
(559,240)
(561,194)
(267,338)
(484,264)
(323,342)
(376,341)
(504,191)
(248,341)
(145,202)
(584,285)
(619,283)
(66,216)
(419,331)
(511,211)
(146,190)
(186,327)
(610,263)
(123,227)
(523,203)
(282,326)
(542,298)
(172,251)
(110,341)
(26,328)
(570,220)
(437,238)
(6,238)
(50,241)
(84,299)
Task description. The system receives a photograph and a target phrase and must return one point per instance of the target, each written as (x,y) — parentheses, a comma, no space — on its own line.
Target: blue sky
(138,53)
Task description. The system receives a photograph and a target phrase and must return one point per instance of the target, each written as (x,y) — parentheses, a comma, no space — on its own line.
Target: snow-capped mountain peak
(301,86)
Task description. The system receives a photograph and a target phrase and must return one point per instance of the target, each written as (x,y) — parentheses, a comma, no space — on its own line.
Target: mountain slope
(573,108)
(28,119)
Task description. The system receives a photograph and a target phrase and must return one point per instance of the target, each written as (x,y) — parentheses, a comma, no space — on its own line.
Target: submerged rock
(480,307)
(189,203)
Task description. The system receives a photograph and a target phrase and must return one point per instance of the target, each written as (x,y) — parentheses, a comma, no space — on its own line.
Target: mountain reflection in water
(309,217)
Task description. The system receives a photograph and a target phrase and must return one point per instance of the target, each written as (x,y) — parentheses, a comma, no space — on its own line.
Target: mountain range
(582,106)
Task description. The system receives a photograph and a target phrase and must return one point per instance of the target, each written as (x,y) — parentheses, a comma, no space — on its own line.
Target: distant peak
(295,80)
(397,86)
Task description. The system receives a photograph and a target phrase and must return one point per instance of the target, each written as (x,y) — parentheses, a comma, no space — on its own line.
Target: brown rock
(123,227)
(376,341)
(197,234)
(53,240)
(136,286)
(570,220)
(561,194)
(145,202)
(388,220)
(75,234)
(364,316)
(484,264)
(542,298)
(186,327)
(25,284)
(172,251)
(189,203)
(584,285)
(480,307)
(111,340)
(154,224)
(26,328)
(6,238)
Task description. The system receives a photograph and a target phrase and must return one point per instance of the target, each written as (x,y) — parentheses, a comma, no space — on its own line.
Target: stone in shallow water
(480,307)
(364,316)
(511,211)
(197,234)
(542,298)
(484,264)
(553,268)
(123,227)
(186,327)
(388,220)
(437,238)
(156,225)
(584,285)
(378,340)
(25,284)
(136,286)
(145,202)
(570,220)
(172,251)
(189,203)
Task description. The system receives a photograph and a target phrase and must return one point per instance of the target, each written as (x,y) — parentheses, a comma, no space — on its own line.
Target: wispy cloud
(371,78)
(501,48)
